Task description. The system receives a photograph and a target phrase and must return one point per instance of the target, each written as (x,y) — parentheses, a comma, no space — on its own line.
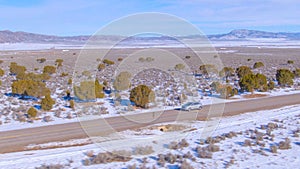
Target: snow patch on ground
(232,148)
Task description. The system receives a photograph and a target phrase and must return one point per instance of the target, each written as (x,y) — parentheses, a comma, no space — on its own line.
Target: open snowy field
(242,141)
(258,42)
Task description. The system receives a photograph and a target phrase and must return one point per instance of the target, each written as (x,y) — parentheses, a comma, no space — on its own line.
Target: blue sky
(82,17)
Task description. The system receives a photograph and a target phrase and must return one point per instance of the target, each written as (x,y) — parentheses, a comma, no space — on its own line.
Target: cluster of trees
(31,84)
(33,76)
(30,88)
(251,82)
(142,95)
(225,91)
(89,90)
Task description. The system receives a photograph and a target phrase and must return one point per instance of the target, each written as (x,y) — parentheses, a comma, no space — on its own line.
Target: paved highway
(16,140)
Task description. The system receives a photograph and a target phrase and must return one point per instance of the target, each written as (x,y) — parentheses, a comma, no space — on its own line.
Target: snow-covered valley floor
(242,141)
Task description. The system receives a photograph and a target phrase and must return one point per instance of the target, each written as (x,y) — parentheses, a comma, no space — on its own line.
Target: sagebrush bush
(108,62)
(272,125)
(49,69)
(290,62)
(41,60)
(179,66)
(32,112)
(88,90)
(50,166)
(101,66)
(16,69)
(186,165)
(203,152)
(247,143)
(284,145)
(213,148)
(107,157)
(72,104)
(143,150)
(58,62)
(273,149)
(122,81)
(1,72)
(258,65)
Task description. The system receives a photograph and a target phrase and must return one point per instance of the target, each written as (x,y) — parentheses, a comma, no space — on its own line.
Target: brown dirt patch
(249,96)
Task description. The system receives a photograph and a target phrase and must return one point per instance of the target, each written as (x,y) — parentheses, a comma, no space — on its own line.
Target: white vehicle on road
(191,106)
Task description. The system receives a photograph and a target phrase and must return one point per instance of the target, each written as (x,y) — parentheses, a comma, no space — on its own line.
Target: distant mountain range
(240,34)
(244,34)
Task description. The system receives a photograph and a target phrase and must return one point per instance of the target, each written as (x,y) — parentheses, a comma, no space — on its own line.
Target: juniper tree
(142,95)
(47,103)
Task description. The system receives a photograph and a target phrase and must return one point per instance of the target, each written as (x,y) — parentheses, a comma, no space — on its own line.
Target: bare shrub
(170,158)
(133,166)
(173,145)
(272,125)
(203,153)
(247,143)
(161,160)
(86,162)
(260,143)
(184,143)
(260,151)
(284,145)
(186,165)
(210,140)
(143,150)
(269,132)
(47,119)
(188,155)
(230,134)
(90,153)
(50,166)
(21,117)
(213,148)
(273,149)
(263,127)
(57,114)
(107,157)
